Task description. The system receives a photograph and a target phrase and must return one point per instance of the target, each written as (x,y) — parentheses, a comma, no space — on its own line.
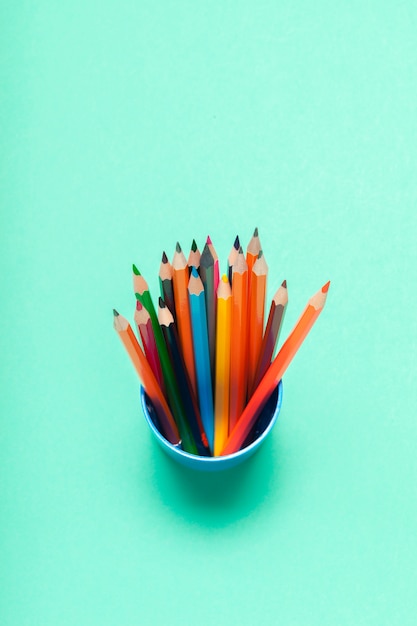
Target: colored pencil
(202,354)
(222,369)
(238,339)
(142,294)
(216,263)
(232,258)
(180,277)
(166,321)
(252,252)
(165,283)
(207,273)
(194,257)
(271,334)
(166,421)
(257,292)
(276,370)
(145,331)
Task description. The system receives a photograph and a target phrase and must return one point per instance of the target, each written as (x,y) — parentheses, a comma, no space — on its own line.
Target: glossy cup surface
(265,423)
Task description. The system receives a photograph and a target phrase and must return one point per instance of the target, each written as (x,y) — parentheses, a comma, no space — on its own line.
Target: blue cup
(264,425)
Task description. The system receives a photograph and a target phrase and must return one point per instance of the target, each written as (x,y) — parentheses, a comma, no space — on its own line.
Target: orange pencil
(238,339)
(232,258)
(252,252)
(256,314)
(276,371)
(126,334)
(180,278)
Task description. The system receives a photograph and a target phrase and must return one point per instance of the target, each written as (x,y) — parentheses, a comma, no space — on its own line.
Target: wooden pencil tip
(178,247)
(135,270)
(255,232)
(161,303)
(208,240)
(194,272)
(325,287)
(115,313)
(284,284)
(164,257)
(236,244)
(194,246)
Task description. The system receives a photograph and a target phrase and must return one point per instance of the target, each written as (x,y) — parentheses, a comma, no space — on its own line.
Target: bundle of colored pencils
(206,359)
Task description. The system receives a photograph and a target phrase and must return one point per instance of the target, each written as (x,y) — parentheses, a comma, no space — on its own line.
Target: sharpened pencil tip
(225,278)
(255,232)
(178,247)
(240,250)
(208,240)
(284,284)
(115,313)
(194,246)
(164,257)
(260,254)
(161,303)
(325,287)
(194,272)
(135,270)
(236,244)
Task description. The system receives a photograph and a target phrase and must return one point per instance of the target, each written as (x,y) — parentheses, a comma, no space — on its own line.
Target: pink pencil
(144,327)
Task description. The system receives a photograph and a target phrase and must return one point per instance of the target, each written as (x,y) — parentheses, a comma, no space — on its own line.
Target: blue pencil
(201,353)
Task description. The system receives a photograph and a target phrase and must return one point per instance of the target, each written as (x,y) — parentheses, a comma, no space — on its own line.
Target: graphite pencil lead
(161,303)
(115,313)
(260,255)
(135,270)
(178,247)
(255,232)
(164,257)
(236,244)
(194,246)
(240,250)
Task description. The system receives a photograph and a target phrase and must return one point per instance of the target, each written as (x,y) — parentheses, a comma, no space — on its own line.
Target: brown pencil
(271,334)
(165,283)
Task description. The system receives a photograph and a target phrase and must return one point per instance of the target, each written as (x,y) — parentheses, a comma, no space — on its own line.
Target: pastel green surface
(127,126)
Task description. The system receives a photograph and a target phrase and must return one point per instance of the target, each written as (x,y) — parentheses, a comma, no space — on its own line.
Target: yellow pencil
(222,376)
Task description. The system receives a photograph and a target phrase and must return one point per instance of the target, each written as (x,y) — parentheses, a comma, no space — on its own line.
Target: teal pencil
(201,353)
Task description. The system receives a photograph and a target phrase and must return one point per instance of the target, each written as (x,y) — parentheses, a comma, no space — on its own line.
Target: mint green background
(127,126)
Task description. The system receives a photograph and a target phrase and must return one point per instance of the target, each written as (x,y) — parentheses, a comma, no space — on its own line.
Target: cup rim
(195,458)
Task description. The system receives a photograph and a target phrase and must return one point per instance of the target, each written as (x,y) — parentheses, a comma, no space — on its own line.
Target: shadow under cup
(263,426)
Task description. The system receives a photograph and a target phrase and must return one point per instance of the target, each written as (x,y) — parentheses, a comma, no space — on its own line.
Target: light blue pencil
(201,353)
